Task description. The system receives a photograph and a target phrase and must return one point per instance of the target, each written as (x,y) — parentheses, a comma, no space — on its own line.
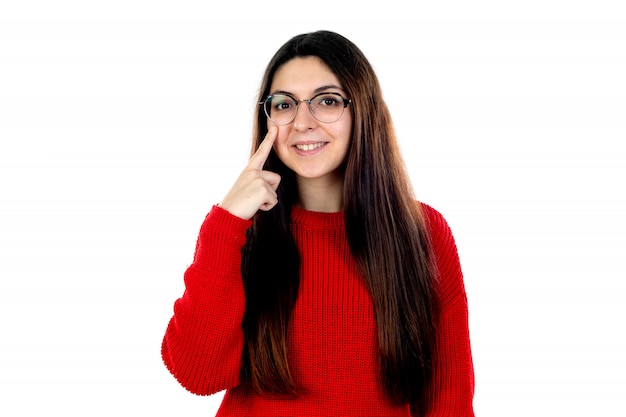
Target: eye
(282,106)
(328,100)
(282,103)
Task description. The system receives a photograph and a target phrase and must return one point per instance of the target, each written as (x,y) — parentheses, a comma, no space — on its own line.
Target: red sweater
(332,338)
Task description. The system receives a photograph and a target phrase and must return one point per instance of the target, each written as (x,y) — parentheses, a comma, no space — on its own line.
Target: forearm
(204,340)
(452,389)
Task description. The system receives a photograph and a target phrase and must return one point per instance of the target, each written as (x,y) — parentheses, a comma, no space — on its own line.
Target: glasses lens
(281,109)
(327,107)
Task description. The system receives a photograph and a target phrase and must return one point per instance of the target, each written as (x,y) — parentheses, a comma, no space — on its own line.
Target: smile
(309,146)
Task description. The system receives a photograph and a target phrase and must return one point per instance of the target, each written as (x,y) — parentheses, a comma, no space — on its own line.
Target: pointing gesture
(255,189)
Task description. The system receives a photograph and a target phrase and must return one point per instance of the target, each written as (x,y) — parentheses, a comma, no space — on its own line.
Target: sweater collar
(316,218)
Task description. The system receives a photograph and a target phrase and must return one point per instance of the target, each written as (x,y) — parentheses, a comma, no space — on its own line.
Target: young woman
(319,285)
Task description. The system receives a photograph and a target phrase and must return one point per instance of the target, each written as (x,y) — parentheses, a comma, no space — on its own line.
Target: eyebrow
(315,92)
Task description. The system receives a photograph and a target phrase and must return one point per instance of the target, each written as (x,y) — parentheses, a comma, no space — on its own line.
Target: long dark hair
(386,231)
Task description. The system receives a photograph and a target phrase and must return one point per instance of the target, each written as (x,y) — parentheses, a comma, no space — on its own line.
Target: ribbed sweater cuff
(221,238)
(224,220)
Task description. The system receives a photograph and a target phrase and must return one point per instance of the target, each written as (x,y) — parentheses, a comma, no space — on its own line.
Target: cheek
(345,133)
(282,136)
(346,126)
(280,144)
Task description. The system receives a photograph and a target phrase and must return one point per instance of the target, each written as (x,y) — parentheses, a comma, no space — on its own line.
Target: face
(312,149)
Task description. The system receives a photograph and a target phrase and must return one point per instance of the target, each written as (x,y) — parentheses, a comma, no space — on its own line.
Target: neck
(321,194)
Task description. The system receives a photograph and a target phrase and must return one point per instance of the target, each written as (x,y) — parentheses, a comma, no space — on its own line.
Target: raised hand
(255,189)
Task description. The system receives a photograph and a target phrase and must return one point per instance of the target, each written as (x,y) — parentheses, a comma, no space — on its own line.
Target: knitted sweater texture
(332,335)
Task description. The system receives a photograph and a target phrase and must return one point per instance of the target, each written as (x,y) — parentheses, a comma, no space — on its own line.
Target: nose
(304,118)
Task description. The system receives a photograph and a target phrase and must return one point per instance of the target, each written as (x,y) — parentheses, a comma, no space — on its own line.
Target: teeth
(309,147)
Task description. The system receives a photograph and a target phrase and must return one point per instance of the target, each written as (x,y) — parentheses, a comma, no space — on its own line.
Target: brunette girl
(319,285)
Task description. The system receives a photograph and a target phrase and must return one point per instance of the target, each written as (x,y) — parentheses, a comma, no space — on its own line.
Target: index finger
(260,156)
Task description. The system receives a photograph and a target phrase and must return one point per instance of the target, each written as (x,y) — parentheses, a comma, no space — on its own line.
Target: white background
(122,122)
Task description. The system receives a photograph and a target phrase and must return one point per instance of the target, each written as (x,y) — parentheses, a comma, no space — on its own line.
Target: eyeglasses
(325,107)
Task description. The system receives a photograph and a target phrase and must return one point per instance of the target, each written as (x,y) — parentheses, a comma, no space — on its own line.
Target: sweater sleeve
(452,388)
(203,342)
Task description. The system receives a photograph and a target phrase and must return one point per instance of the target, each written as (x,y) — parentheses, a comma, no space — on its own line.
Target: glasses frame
(307,101)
